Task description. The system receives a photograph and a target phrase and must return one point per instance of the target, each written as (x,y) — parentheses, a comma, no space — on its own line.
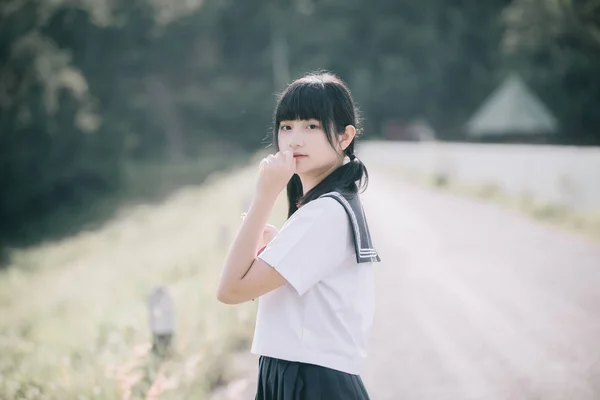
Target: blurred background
(129,135)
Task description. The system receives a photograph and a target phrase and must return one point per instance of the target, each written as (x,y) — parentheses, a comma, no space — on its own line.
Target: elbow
(226,296)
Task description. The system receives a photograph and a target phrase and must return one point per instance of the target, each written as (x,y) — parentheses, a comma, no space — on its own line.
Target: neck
(310,180)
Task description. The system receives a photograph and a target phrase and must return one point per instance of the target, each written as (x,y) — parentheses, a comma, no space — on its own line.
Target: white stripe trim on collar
(362,252)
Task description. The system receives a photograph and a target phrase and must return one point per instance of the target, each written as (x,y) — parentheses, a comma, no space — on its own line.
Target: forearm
(243,250)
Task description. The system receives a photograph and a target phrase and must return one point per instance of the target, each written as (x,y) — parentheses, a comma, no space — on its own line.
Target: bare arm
(245,277)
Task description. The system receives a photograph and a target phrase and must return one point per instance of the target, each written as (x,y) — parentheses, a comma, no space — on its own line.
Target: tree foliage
(87,84)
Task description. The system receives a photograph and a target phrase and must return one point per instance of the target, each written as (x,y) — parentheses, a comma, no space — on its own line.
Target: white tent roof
(512,108)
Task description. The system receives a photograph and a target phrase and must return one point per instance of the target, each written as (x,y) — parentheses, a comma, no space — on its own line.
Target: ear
(347,137)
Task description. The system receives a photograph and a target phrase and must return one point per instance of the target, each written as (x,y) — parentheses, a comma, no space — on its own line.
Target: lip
(299,155)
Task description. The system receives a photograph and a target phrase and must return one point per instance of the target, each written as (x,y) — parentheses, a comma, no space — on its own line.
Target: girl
(314,278)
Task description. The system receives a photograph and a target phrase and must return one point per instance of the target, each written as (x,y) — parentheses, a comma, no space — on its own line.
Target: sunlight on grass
(74,320)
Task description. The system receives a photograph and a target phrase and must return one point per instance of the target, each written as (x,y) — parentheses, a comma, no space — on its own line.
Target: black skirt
(288,380)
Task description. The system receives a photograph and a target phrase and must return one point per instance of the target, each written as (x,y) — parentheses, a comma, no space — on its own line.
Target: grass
(74,321)
(587,224)
(147,182)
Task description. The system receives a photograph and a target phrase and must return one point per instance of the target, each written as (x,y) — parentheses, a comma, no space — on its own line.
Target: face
(307,139)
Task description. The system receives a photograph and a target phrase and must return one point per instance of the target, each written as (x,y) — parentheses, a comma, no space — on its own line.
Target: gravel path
(477,302)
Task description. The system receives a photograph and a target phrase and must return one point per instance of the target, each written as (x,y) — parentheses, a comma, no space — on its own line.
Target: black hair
(324,97)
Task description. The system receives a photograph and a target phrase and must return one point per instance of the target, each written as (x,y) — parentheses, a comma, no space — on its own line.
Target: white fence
(555,174)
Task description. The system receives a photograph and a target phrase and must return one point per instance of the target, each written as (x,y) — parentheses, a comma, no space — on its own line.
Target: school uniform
(312,333)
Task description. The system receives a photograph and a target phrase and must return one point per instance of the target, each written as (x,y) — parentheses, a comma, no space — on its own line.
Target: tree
(556,44)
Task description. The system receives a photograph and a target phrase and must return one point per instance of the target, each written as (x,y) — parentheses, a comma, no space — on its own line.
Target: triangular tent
(512,109)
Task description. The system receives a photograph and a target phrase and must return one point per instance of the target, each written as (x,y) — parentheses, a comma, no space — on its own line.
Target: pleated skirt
(289,380)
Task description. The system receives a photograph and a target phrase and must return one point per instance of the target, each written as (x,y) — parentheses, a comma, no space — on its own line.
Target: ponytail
(294,194)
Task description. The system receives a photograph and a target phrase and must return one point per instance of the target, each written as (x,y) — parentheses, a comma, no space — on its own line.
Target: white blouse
(323,315)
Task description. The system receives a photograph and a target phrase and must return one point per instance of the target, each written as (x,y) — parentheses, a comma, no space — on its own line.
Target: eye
(313,126)
(285,128)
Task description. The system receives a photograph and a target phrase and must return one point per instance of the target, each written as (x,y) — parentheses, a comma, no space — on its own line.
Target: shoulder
(325,206)
(323,213)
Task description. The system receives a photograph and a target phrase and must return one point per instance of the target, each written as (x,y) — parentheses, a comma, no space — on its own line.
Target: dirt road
(476,302)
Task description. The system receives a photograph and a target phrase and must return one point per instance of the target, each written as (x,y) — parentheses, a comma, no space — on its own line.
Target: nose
(295,139)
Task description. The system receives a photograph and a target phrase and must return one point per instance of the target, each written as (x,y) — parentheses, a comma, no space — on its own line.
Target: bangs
(304,101)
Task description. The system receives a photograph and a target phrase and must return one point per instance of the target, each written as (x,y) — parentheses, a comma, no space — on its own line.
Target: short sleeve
(314,241)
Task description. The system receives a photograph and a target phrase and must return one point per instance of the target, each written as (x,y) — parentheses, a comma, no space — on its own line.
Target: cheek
(282,142)
(326,149)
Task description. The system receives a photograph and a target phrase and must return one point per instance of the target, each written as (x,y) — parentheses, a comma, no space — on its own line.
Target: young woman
(314,278)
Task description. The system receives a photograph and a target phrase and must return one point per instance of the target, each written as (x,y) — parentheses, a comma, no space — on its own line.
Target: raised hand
(276,170)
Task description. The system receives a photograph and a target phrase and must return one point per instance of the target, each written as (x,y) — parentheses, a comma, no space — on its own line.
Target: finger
(285,155)
(290,160)
(266,162)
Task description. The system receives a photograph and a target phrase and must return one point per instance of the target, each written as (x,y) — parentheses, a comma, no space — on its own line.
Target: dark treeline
(87,86)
